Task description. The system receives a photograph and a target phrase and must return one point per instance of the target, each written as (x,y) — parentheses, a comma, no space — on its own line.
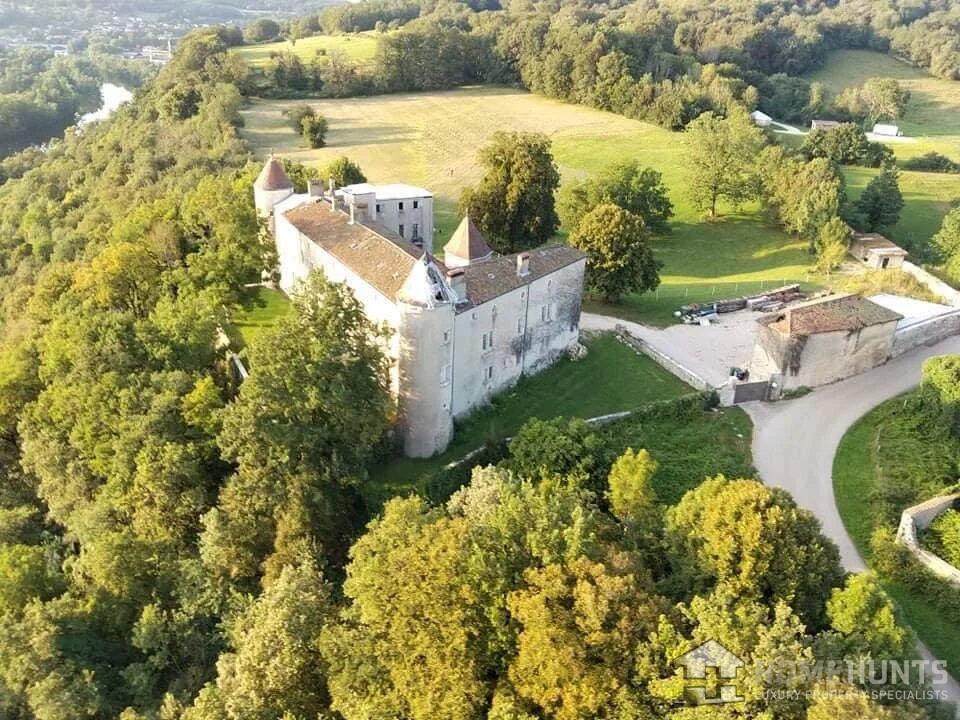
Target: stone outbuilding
(877,252)
(822,341)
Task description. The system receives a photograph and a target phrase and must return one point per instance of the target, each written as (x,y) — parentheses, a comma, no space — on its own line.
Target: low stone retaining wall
(664,361)
(937,286)
(918,518)
(925,332)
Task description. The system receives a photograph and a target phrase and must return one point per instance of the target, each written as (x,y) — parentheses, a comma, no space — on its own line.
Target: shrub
(932,162)
(315,130)
(943,536)
(296,114)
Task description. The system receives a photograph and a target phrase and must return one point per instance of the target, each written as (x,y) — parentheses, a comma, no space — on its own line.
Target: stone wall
(925,332)
(919,517)
(937,286)
(665,361)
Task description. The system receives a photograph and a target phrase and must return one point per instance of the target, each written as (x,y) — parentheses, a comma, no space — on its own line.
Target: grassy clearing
(932,118)
(610,379)
(927,197)
(431,139)
(856,469)
(360,47)
(260,309)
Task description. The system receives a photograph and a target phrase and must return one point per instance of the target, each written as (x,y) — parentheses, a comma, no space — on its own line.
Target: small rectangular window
(400,205)
(446,338)
(445,375)
(400,230)
(416,230)
(378,207)
(489,373)
(487,340)
(416,204)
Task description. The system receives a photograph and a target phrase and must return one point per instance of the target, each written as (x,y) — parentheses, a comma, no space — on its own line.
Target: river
(113,97)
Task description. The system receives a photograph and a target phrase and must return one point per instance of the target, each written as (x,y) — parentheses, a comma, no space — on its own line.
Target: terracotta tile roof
(378,256)
(273,177)
(830,314)
(467,242)
(491,278)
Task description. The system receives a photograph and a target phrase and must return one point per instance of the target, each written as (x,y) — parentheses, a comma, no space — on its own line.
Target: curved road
(794,442)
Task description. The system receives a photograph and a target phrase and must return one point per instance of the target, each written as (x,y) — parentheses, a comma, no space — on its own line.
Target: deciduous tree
(514,202)
(721,153)
(628,185)
(619,257)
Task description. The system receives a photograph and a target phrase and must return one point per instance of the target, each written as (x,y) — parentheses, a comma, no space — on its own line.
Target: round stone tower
(272,186)
(425,388)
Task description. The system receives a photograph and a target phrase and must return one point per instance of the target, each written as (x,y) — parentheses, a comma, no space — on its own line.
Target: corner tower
(272,186)
(427,308)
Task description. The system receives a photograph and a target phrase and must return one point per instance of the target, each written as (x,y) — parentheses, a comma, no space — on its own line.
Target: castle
(462,329)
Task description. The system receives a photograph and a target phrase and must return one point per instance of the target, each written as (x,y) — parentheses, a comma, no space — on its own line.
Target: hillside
(431,139)
(932,120)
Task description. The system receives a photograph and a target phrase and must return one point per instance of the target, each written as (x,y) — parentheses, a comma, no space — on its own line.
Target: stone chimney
(332,190)
(458,282)
(315,188)
(523,264)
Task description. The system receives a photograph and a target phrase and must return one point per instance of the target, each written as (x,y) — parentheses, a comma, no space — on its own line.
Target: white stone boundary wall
(919,517)
(925,332)
(664,361)
(933,283)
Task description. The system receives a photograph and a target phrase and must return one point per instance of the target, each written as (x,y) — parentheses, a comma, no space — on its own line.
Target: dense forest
(175,546)
(665,62)
(41,94)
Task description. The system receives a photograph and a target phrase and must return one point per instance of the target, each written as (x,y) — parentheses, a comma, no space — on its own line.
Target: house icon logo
(710,672)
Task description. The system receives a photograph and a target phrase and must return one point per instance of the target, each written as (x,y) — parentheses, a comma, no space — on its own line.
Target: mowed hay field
(432,139)
(359,46)
(932,119)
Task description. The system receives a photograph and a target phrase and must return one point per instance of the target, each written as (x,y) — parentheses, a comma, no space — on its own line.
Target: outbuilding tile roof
(830,314)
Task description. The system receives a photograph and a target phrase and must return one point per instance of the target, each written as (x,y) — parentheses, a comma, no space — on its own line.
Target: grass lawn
(260,309)
(431,139)
(932,118)
(855,471)
(611,378)
(360,46)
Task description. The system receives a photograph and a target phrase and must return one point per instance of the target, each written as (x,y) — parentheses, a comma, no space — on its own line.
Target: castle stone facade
(463,330)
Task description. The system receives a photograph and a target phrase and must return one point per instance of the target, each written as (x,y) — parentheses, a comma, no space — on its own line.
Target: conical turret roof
(273,176)
(467,242)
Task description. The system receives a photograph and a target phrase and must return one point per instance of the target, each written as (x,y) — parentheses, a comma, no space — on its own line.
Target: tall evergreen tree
(878,208)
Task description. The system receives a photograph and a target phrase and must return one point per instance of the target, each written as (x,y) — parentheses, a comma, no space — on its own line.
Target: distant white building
(886,130)
(761,119)
(463,330)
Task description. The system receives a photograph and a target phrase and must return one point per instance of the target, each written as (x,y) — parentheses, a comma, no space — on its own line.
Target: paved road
(794,442)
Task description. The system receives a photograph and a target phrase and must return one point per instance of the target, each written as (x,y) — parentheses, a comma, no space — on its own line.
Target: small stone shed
(822,341)
(876,252)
